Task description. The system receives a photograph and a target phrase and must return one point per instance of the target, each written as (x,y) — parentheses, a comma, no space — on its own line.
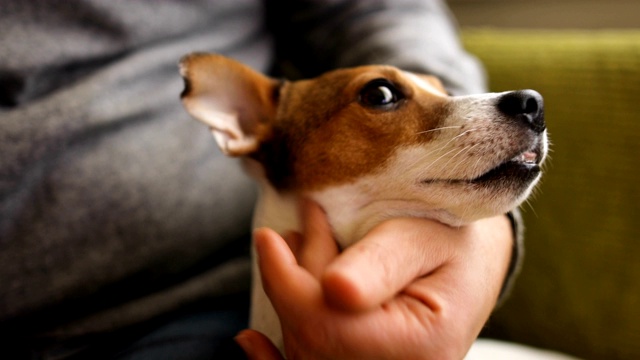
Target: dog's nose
(525,106)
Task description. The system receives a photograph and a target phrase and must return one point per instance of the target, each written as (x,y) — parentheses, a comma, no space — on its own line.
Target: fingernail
(245,342)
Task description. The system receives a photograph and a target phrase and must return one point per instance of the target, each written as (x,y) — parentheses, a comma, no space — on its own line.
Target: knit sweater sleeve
(415,35)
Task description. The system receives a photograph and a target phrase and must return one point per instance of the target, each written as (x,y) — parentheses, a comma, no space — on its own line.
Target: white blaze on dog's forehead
(423,84)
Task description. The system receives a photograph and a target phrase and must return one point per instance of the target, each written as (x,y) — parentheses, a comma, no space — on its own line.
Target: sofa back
(579,289)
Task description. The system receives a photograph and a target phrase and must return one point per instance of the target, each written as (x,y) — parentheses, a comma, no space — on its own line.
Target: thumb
(384,262)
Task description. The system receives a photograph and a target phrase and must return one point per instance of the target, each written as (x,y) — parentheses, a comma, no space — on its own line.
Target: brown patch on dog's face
(329,130)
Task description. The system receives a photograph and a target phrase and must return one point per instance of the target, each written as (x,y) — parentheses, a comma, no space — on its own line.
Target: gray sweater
(115,207)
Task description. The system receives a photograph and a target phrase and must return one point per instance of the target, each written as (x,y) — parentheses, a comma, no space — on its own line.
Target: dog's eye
(379,93)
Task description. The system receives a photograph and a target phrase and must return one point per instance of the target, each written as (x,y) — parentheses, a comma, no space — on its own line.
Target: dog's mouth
(523,167)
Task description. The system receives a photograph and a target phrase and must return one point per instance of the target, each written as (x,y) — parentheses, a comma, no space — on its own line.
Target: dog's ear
(237,102)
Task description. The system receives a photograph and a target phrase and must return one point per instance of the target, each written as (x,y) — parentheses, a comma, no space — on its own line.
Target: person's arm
(412,288)
(415,35)
(517,253)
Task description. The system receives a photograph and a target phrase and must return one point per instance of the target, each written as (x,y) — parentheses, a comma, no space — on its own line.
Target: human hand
(411,289)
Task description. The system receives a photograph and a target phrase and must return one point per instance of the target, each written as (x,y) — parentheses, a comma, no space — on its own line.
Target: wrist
(517,250)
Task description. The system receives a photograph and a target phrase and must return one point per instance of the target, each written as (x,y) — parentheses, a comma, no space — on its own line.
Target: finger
(384,262)
(286,284)
(318,246)
(294,240)
(257,346)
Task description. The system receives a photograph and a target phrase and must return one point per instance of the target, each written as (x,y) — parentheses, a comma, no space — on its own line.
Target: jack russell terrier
(367,144)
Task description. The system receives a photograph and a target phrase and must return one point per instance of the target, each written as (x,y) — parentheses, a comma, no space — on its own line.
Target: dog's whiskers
(435,162)
(461,160)
(475,167)
(435,151)
(529,205)
(456,156)
(440,128)
(450,140)
(463,133)
(463,150)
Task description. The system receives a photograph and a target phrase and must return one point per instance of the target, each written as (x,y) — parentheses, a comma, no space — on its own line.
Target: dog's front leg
(263,317)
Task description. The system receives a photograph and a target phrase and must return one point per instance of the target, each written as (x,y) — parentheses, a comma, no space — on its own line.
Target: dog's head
(383,133)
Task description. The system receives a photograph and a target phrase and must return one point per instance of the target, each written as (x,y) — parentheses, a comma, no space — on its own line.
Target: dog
(367,144)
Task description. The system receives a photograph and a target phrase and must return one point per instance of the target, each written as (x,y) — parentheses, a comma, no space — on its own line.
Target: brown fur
(323,126)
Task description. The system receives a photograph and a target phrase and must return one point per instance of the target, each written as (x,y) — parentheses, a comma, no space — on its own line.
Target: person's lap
(201,333)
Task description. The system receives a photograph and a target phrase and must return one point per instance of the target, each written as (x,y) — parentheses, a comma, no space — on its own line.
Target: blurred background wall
(557,14)
(579,288)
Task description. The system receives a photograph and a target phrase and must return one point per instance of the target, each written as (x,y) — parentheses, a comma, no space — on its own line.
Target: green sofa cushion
(579,289)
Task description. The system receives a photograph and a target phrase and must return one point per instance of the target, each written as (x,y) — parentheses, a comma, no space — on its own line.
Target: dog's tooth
(529,157)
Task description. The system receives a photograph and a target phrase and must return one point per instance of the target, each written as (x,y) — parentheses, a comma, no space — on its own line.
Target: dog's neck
(276,210)
(352,209)
(280,212)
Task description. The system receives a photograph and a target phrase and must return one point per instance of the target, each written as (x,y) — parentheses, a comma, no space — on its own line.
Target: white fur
(279,212)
